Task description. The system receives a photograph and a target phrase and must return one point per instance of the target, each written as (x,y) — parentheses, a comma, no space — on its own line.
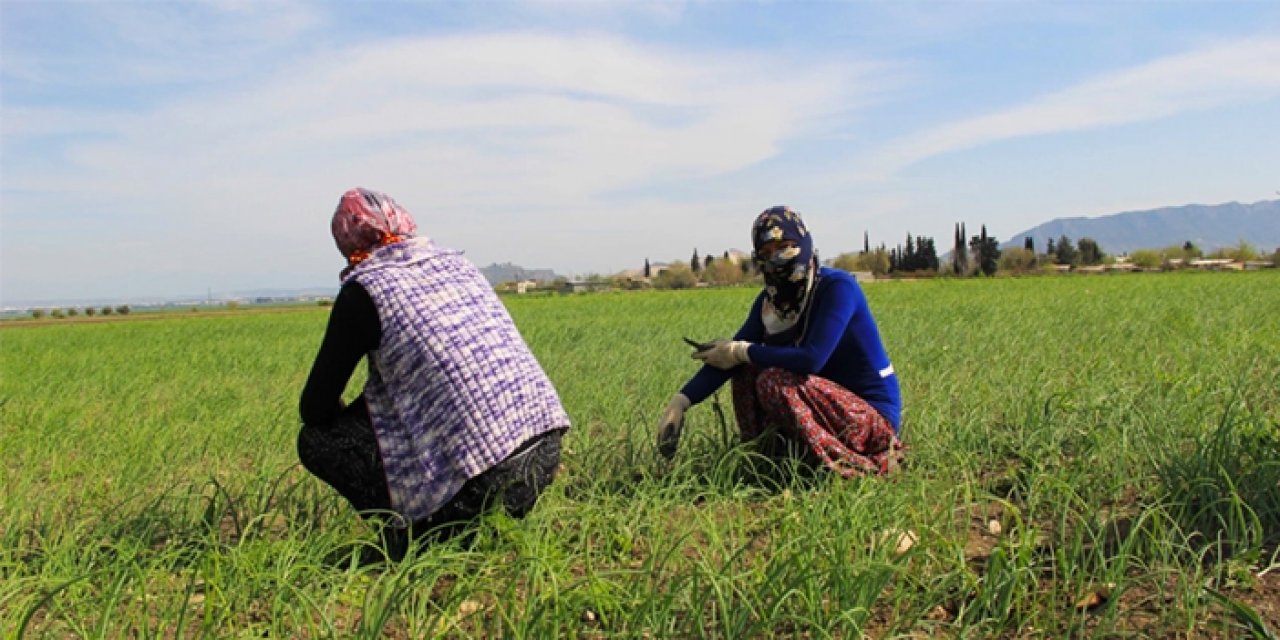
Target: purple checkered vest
(453,389)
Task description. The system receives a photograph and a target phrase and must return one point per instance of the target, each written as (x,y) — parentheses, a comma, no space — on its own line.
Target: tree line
(971,255)
(918,255)
(71,312)
(724,270)
(980,254)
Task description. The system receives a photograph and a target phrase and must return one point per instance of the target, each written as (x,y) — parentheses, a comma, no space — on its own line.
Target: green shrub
(1146,258)
(677,276)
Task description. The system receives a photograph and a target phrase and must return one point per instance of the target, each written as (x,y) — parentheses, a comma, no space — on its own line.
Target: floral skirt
(830,425)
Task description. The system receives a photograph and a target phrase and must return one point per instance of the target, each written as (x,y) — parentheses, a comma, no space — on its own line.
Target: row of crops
(1088,456)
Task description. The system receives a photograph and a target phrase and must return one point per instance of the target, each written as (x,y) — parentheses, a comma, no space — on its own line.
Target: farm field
(1093,456)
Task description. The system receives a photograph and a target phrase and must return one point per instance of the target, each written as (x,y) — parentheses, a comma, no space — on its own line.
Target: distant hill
(507,272)
(1209,227)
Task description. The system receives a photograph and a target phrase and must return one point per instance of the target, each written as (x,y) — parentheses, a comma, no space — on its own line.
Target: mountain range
(1208,227)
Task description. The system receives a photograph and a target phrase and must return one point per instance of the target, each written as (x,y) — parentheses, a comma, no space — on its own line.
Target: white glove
(671,424)
(724,355)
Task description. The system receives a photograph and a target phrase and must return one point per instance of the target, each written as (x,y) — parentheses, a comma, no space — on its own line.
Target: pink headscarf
(366,220)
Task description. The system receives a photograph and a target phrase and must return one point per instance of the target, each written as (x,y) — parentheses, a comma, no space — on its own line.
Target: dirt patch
(983,525)
(1263,597)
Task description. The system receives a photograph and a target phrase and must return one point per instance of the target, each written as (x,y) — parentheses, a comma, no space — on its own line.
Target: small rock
(902,540)
(994,527)
(468,607)
(1090,601)
(907,540)
(1096,597)
(588,616)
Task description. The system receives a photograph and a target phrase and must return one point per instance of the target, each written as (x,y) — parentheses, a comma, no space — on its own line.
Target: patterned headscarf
(788,274)
(366,220)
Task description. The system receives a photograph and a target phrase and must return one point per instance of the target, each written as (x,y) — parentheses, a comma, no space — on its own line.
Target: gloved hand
(725,354)
(671,424)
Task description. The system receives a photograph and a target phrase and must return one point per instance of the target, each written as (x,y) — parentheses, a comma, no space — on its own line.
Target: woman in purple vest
(456,413)
(807,366)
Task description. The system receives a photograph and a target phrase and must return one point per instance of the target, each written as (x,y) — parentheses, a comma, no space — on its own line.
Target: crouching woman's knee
(773,381)
(311,445)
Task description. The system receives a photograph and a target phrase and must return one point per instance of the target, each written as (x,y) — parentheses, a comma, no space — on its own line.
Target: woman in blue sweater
(808,362)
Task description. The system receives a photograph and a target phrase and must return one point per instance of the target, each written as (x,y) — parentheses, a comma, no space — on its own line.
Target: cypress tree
(957,250)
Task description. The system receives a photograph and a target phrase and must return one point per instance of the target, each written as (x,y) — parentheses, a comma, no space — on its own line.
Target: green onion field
(1088,456)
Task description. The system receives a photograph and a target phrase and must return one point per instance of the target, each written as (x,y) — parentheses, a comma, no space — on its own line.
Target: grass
(1121,431)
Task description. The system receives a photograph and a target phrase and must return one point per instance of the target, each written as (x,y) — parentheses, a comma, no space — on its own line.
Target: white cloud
(1246,70)
(570,115)
(488,127)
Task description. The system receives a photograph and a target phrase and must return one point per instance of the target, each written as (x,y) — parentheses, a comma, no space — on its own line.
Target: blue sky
(169,148)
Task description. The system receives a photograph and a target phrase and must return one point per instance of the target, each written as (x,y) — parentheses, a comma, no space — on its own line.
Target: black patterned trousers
(344,454)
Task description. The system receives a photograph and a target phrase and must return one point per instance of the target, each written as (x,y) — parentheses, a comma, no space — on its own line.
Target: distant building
(1123,266)
(583,286)
(1217,264)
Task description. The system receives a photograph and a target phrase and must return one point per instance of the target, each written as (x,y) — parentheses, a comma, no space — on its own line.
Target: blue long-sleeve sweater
(836,339)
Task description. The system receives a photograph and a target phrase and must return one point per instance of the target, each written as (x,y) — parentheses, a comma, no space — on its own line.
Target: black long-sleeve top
(353,331)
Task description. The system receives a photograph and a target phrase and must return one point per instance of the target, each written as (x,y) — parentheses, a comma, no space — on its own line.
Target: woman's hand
(724,354)
(671,424)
